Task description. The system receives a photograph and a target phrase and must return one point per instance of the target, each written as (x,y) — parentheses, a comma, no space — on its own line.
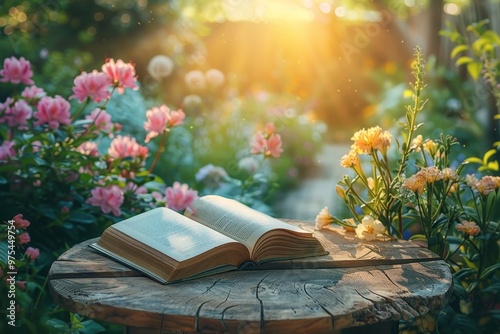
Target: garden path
(317,188)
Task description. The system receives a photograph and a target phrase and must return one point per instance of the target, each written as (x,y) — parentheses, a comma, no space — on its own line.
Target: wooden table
(369,284)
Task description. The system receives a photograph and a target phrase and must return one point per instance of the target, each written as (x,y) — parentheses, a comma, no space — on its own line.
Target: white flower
(160,66)
(369,228)
(215,78)
(323,219)
(195,80)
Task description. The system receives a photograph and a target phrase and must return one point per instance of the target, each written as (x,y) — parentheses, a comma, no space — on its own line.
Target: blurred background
(324,69)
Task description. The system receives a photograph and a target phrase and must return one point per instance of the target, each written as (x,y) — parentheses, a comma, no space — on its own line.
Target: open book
(218,234)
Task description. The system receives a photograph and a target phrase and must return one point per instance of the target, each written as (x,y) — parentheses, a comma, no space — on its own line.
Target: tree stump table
(359,287)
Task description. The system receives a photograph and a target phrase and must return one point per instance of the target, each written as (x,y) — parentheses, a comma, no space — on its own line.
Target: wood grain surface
(358,283)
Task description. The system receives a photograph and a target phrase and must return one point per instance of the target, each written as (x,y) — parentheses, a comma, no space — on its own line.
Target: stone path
(317,189)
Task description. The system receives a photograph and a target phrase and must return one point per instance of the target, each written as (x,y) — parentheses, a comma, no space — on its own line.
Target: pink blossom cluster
(33,107)
(96,85)
(267,142)
(16,112)
(126,147)
(160,119)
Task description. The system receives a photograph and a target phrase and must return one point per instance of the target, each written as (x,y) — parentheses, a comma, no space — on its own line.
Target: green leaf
(3,180)
(459,48)
(490,270)
(465,272)
(493,288)
(474,160)
(4,249)
(491,36)
(57,324)
(81,217)
(463,60)
(418,237)
(474,69)
(90,327)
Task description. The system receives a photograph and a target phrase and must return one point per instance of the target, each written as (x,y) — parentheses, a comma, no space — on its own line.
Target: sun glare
(259,10)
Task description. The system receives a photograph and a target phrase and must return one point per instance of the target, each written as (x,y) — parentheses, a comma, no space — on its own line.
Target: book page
(172,233)
(236,220)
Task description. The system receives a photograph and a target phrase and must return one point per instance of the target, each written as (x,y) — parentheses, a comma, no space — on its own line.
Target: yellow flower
(370,228)
(468,227)
(367,140)
(323,219)
(350,160)
(416,144)
(431,147)
(384,142)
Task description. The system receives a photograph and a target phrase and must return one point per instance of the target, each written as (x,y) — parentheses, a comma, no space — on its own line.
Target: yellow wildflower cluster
(429,146)
(366,141)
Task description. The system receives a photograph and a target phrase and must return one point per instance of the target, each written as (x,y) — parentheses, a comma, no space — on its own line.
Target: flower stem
(160,150)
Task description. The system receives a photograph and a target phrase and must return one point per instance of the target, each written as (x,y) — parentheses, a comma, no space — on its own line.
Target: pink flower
(269,129)
(18,115)
(109,198)
(94,85)
(101,120)
(122,75)
(258,143)
(33,93)
(7,151)
(19,222)
(138,190)
(88,148)
(176,117)
(160,119)
(53,111)
(16,71)
(179,197)
(125,146)
(32,253)
(157,121)
(274,146)
(23,238)
(21,285)
(267,143)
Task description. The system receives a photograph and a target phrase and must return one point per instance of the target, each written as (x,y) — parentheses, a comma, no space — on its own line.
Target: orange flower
(415,183)
(431,174)
(468,227)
